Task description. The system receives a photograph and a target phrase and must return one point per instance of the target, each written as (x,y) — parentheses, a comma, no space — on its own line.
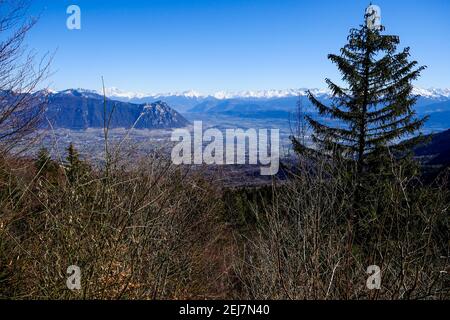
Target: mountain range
(82,109)
(258,94)
(278,104)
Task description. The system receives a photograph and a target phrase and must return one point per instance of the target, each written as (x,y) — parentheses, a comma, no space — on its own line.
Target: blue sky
(173,45)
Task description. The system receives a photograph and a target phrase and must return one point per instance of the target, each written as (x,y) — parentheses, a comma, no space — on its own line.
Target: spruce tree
(44,164)
(374,108)
(43,159)
(75,168)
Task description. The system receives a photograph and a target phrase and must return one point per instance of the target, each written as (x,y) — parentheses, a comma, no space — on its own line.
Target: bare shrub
(21,74)
(141,233)
(305,245)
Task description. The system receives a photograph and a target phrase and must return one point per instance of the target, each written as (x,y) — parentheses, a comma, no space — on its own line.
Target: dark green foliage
(44,164)
(376,105)
(381,210)
(43,158)
(76,169)
(242,203)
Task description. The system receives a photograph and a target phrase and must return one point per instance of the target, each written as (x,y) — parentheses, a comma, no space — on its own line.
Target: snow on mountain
(114,92)
(85,93)
(266,94)
(220,95)
(432,92)
(49,91)
(186,94)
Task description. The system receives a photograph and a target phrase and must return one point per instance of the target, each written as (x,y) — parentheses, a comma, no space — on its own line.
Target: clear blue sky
(206,45)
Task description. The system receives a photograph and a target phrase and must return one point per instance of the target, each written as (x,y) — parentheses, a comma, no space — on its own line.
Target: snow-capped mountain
(129,96)
(81,93)
(117,93)
(185,94)
(220,95)
(114,92)
(267,94)
(247,103)
(432,92)
(256,94)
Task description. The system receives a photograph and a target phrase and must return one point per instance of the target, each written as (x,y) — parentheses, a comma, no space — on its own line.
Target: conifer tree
(43,158)
(75,168)
(44,164)
(374,108)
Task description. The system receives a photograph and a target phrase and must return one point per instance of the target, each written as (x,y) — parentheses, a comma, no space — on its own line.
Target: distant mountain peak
(432,92)
(84,93)
(81,109)
(255,94)
(117,93)
(268,94)
(220,95)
